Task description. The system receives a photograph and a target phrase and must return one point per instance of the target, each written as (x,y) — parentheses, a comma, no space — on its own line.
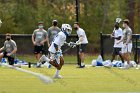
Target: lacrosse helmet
(66,28)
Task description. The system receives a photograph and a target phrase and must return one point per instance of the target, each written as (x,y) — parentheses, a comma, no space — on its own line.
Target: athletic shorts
(54,56)
(83,47)
(10,59)
(126,48)
(116,51)
(38,49)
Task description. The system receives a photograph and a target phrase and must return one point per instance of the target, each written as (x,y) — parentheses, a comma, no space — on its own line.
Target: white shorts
(126,48)
(56,57)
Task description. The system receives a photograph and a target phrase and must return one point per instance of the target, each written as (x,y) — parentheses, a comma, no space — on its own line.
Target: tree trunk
(131,13)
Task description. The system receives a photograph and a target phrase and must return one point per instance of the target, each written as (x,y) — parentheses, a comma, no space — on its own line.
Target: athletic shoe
(38,65)
(58,76)
(138,67)
(44,58)
(81,66)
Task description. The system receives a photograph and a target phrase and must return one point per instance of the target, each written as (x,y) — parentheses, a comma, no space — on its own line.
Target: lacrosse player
(117,35)
(9,49)
(127,43)
(82,42)
(56,57)
(39,37)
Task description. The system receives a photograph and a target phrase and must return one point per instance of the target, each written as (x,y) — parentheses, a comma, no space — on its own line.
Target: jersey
(127,32)
(59,40)
(39,35)
(81,32)
(118,33)
(9,46)
(52,32)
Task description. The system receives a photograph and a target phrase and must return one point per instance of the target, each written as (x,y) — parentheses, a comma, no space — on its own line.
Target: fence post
(78,57)
(136,48)
(101,45)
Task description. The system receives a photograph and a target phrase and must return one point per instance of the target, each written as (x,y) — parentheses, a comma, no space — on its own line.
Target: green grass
(87,80)
(67,58)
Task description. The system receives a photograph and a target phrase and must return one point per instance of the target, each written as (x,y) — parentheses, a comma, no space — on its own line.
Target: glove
(72,44)
(78,42)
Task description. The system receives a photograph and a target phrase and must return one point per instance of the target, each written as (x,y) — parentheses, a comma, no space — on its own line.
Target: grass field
(87,80)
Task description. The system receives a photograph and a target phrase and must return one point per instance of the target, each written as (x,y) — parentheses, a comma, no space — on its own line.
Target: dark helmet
(116,26)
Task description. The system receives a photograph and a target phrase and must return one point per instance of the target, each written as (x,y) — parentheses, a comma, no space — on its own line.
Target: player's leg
(11,61)
(82,55)
(118,53)
(1,56)
(113,54)
(128,54)
(58,62)
(38,50)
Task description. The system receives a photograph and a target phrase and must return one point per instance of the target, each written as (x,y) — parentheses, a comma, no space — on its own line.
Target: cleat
(38,64)
(81,66)
(138,67)
(43,59)
(58,76)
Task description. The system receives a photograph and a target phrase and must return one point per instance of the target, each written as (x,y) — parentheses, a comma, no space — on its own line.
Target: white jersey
(58,40)
(81,32)
(118,33)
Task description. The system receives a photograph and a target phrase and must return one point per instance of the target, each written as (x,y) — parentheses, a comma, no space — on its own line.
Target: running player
(9,49)
(82,42)
(127,42)
(39,37)
(56,57)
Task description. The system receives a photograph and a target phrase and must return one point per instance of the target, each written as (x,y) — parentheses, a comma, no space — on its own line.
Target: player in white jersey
(116,35)
(56,57)
(127,43)
(82,42)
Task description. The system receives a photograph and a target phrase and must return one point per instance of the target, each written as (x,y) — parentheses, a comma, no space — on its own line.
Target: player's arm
(121,40)
(118,38)
(33,39)
(1,49)
(128,39)
(15,49)
(48,38)
(43,41)
(80,40)
(56,47)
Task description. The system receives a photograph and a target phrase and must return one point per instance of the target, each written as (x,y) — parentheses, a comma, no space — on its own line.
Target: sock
(57,72)
(82,64)
(47,59)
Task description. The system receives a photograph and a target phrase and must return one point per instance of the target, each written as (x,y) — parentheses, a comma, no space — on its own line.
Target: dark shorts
(83,47)
(10,59)
(38,49)
(116,51)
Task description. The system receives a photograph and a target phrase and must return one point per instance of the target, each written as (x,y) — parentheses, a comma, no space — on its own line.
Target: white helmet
(66,28)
